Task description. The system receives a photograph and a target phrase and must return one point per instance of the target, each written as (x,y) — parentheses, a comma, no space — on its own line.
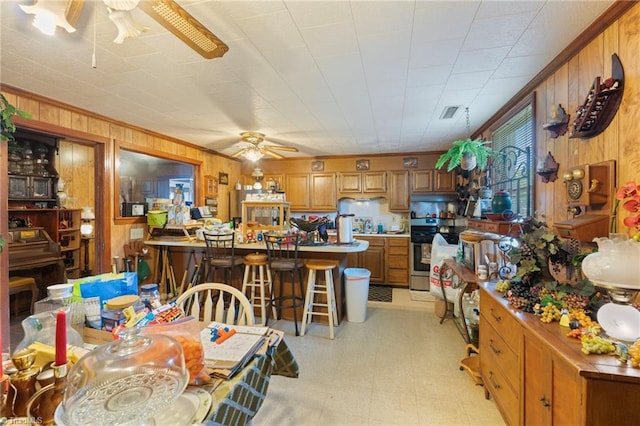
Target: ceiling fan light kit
(127,26)
(255,149)
(50,14)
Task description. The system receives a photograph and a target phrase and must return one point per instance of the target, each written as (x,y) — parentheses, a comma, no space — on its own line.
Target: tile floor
(399,367)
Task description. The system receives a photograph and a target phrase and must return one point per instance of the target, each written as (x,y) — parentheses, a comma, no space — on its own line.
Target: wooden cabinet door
(399,191)
(323,191)
(374,182)
(444,181)
(422,181)
(297,190)
(537,389)
(350,182)
(373,259)
(566,394)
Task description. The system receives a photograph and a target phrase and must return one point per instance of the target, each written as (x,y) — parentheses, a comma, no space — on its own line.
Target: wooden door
(422,181)
(323,191)
(297,190)
(399,191)
(373,259)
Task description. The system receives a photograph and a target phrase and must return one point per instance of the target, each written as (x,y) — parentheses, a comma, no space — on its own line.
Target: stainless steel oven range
(422,231)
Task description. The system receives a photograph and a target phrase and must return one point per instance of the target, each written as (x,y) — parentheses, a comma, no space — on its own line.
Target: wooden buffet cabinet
(539,376)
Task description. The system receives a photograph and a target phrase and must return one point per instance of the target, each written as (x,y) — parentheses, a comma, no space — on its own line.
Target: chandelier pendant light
(50,14)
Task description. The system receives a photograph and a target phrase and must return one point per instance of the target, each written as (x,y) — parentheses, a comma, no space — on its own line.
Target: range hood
(360,197)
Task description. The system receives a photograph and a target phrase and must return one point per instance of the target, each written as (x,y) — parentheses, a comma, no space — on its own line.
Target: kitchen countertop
(373,234)
(358,246)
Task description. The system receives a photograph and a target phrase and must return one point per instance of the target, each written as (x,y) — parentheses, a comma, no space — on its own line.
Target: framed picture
(362,164)
(223,178)
(210,186)
(410,162)
(147,187)
(317,166)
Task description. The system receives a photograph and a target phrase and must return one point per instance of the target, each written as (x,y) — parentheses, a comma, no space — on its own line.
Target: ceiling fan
(255,148)
(50,14)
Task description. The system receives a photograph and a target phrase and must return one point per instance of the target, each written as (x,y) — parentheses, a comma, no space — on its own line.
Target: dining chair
(286,270)
(217,302)
(220,255)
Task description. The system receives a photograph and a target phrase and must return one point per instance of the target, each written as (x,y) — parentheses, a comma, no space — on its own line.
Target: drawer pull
(493,382)
(496,317)
(493,348)
(545,401)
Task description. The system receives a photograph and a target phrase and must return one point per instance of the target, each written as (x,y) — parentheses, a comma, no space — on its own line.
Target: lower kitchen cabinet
(539,376)
(371,259)
(397,261)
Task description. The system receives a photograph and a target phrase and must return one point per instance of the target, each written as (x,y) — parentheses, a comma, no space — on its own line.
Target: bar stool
(22,284)
(325,288)
(282,251)
(221,255)
(256,266)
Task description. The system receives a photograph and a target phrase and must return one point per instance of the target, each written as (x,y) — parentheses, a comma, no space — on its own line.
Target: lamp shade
(86,228)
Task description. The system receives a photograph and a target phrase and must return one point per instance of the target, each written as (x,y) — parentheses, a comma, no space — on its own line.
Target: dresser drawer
(501,320)
(499,356)
(505,397)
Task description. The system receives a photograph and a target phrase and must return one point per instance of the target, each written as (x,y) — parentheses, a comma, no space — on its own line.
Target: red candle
(61,338)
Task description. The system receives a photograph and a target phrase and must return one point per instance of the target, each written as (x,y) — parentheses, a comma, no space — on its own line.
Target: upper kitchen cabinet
(311,191)
(398,191)
(359,183)
(433,181)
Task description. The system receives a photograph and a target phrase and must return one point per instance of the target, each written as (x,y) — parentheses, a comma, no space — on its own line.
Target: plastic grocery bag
(441,250)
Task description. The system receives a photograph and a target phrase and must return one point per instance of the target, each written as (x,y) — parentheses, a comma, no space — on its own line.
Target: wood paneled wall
(81,131)
(569,86)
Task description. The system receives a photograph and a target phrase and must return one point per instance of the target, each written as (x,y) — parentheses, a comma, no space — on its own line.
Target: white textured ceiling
(330,78)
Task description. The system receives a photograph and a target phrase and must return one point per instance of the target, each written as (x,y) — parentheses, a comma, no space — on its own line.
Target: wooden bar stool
(22,284)
(256,266)
(325,288)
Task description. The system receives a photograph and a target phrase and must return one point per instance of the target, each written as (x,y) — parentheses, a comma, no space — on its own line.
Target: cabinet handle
(493,348)
(545,401)
(496,317)
(493,382)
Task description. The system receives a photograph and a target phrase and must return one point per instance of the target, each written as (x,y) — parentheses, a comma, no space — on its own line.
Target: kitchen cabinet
(539,376)
(311,191)
(297,190)
(372,259)
(32,188)
(397,261)
(426,181)
(354,183)
(398,193)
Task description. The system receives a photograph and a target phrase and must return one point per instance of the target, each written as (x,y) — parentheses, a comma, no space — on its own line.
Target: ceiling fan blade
(272,154)
(184,26)
(239,153)
(281,148)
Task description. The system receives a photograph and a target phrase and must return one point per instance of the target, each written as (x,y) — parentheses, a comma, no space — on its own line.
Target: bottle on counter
(380,229)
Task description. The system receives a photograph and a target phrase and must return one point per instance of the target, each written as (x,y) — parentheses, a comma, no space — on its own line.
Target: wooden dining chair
(217,302)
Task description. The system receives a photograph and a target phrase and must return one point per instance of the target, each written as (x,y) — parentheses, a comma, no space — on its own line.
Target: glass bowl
(125,382)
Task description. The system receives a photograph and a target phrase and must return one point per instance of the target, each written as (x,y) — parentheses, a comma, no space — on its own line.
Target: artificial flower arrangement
(629,195)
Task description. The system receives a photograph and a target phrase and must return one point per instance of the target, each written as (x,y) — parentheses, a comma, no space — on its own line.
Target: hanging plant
(467,153)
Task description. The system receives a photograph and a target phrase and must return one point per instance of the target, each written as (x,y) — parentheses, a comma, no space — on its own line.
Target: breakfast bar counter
(177,258)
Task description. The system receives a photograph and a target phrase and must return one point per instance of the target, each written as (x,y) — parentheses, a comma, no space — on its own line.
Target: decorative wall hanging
(548,170)
(410,162)
(223,178)
(317,166)
(601,104)
(558,122)
(362,164)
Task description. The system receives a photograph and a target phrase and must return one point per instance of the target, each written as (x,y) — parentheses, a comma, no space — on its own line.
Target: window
(146,179)
(513,142)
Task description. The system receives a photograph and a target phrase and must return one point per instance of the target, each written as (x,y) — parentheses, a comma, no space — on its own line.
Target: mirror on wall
(146,179)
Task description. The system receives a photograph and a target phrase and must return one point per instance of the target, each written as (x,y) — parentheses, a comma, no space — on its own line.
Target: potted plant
(7,129)
(467,154)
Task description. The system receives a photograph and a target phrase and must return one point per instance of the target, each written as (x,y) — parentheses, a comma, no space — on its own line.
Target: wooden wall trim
(613,13)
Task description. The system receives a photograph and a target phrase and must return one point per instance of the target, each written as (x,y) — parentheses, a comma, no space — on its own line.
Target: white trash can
(357,292)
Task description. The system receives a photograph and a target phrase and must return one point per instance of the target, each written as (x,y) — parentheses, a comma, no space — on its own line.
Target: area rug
(380,293)
(421,296)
